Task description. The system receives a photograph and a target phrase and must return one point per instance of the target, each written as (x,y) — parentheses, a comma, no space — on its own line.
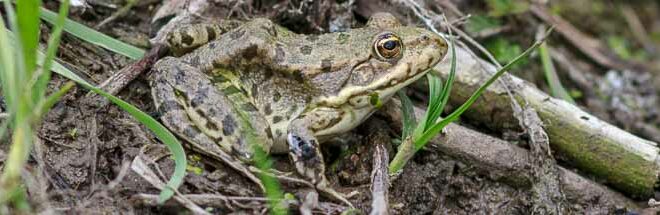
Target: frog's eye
(388,46)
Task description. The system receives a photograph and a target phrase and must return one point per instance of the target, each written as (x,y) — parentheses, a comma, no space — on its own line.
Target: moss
(622,169)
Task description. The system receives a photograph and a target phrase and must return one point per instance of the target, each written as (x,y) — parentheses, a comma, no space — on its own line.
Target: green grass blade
(28,32)
(435,90)
(556,88)
(52,99)
(409,120)
(90,35)
(7,67)
(446,90)
(158,129)
(439,103)
(273,191)
(431,132)
(53,44)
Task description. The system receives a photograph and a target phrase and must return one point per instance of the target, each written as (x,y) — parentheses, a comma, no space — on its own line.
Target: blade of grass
(446,90)
(273,191)
(435,92)
(43,107)
(28,33)
(158,129)
(22,98)
(90,35)
(7,66)
(406,150)
(409,120)
(556,88)
(43,78)
(440,103)
(423,140)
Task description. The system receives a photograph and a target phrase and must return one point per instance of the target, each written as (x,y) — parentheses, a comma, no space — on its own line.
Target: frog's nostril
(425,38)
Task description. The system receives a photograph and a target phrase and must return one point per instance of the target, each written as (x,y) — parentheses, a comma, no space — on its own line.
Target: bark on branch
(626,162)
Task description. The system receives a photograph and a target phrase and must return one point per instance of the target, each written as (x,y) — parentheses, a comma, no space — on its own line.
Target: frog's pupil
(389,45)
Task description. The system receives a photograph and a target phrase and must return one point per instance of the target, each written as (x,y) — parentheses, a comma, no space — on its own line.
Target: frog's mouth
(399,76)
(357,104)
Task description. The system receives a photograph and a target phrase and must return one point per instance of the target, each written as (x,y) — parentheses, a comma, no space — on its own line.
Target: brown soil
(85,148)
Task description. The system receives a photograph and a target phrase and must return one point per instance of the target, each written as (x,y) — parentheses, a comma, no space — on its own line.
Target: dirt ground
(86,150)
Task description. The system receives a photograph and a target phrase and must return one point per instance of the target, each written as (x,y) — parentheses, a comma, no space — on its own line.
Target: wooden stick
(625,161)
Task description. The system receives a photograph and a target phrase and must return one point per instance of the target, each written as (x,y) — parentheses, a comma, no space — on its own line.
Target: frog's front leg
(305,151)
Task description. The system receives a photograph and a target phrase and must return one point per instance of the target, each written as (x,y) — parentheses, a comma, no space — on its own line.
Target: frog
(231,89)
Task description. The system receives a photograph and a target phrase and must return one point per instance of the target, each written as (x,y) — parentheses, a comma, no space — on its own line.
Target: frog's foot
(308,160)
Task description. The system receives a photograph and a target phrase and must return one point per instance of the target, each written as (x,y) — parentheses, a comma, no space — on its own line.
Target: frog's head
(387,57)
(393,56)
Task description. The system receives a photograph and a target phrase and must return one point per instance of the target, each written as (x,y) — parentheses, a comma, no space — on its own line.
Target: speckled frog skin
(238,86)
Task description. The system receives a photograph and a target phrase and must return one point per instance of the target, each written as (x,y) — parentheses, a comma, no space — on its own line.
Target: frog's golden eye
(388,46)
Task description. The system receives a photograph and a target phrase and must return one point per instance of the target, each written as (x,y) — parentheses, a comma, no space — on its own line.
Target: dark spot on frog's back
(201,94)
(280,55)
(268,74)
(268,110)
(179,76)
(277,96)
(326,65)
(268,132)
(191,131)
(211,125)
(211,33)
(298,76)
(250,52)
(277,119)
(306,50)
(194,61)
(186,39)
(228,125)
(254,91)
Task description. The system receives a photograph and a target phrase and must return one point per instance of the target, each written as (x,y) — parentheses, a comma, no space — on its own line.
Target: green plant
(478,23)
(499,8)
(431,124)
(556,88)
(24,86)
(60,22)
(505,50)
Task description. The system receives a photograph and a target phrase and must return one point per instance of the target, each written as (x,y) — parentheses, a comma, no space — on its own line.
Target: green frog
(238,86)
